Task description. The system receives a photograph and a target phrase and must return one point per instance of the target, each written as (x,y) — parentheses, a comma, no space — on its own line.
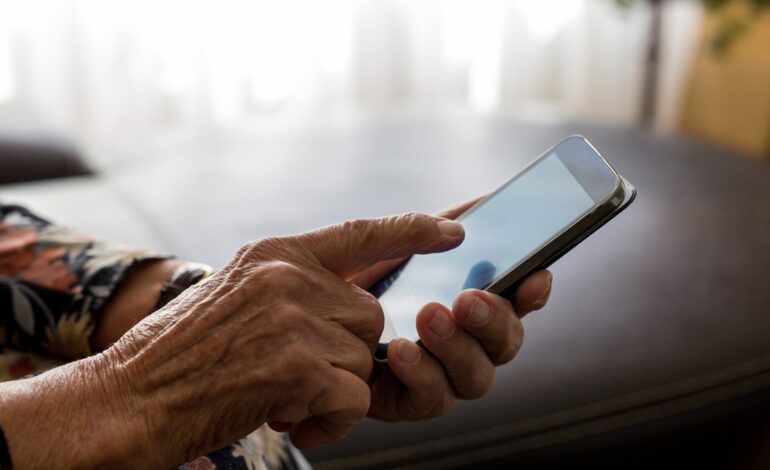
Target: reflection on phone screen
(480,275)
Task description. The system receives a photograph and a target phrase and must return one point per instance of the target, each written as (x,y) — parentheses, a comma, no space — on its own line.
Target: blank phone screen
(500,233)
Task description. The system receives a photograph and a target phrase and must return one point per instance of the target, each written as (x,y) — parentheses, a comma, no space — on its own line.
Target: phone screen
(500,233)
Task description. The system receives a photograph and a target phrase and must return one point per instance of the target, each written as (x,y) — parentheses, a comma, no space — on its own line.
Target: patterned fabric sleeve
(54,284)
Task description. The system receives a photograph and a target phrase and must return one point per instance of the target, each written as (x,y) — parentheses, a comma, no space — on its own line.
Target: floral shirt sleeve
(54,284)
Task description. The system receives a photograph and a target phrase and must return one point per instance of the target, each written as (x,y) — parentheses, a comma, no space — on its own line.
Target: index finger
(349,247)
(370,275)
(457,210)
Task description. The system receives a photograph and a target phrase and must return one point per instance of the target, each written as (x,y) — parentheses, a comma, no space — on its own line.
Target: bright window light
(545,18)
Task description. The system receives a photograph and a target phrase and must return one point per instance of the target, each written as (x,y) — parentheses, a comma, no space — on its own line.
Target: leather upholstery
(654,348)
(34,157)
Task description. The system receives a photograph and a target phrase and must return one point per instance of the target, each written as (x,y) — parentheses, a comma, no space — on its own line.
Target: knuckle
(262,249)
(417,224)
(284,270)
(274,247)
(294,410)
(503,340)
(480,381)
(512,345)
(444,406)
(248,249)
(290,319)
(349,351)
(374,313)
(283,279)
(505,355)
(362,401)
(267,243)
(362,314)
(289,326)
(359,229)
(298,367)
(364,364)
(351,234)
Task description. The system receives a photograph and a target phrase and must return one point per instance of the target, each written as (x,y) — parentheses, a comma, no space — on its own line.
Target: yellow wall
(728,100)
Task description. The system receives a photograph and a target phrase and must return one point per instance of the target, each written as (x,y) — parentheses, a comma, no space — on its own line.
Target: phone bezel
(560,243)
(509,280)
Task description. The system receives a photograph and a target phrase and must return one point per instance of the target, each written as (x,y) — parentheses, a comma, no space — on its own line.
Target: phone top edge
(585,176)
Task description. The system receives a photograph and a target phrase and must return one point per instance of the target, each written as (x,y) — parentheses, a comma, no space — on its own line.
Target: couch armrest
(35,157)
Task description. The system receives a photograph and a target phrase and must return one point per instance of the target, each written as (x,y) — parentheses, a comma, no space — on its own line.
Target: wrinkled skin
(277,335)
(283,334)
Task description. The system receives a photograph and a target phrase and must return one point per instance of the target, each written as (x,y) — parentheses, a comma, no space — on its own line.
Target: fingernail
(480,312)
(409,352)
(450,228)
(441,325)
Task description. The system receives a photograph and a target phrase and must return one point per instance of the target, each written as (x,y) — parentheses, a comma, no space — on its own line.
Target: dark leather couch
(30,157)
(654,350)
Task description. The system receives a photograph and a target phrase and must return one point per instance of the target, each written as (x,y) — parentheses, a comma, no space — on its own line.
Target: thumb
(357,244)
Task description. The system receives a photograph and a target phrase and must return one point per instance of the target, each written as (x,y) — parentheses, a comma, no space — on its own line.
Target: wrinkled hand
(278,335)
(466,342)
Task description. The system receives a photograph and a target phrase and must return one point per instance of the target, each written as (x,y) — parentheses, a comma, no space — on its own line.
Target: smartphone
(529,222)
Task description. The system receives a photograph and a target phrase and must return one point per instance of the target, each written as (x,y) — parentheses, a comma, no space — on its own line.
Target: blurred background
(193,126)
(119,78)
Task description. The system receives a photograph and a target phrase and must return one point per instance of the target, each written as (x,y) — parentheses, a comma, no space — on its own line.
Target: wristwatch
(183,277)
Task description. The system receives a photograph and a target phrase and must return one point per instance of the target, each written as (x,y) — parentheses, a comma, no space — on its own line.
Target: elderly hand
(277,335)
(466,342)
